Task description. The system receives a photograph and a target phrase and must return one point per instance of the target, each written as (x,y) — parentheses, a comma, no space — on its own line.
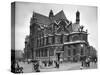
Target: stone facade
(55,38)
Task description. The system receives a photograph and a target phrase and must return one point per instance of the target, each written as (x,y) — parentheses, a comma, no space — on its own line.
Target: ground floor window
(69,52)
(51,52)
(45,52)
(74,51)
(81,51)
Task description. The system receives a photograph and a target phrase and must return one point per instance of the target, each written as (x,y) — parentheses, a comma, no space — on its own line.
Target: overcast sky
(88,18)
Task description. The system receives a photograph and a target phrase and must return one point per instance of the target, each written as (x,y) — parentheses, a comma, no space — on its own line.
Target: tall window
(49,40)
(46,40)
(43,41)
(51,52)
(69,52)
(45,52)
(61,38)
(81,51)
(57,39)
(75,38)
(74,51)
(65,38)
(53,39)
(42,52)
(37,53)
(37,42)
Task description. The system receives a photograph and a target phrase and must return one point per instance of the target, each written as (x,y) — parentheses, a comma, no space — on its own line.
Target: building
(54,37)
(18,54)
(27,51)
(92,51)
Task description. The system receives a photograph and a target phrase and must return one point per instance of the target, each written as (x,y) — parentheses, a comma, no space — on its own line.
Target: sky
(24,11)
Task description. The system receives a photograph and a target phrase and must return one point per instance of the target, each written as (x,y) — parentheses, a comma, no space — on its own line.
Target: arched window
(75,38)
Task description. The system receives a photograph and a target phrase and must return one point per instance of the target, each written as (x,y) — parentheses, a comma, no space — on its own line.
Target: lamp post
(81,49)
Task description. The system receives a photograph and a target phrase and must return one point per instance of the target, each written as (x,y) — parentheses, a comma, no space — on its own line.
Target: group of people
(15,68)
(86,60)
(36,65)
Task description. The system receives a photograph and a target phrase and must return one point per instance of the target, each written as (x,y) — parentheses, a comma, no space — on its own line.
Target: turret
(77,17)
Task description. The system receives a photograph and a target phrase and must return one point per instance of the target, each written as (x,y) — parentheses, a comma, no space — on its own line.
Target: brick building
(54,37)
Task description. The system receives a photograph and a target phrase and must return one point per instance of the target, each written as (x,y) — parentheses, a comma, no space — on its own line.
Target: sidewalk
(27,68)
(92,66)
(62,67)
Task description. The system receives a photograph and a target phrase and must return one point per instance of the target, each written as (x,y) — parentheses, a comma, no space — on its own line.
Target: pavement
(27,68)
(92,66)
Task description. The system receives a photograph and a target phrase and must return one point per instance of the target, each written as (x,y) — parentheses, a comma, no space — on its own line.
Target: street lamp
(81,49)
(81,45)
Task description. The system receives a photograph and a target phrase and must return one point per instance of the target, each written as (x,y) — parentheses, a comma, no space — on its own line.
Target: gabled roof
(60,15)
(46,20)
(42,19)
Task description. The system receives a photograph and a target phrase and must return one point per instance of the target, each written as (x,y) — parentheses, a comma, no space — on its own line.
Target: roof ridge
(41,14)
(59,12)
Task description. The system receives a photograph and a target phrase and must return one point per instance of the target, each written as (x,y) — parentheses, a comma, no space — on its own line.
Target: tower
(77,17)
(34,18)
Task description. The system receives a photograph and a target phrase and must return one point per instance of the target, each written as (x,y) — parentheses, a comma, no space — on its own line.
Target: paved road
(63,67)
(92,66)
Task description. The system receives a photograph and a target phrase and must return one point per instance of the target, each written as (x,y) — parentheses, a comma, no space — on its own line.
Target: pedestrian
(37,67)
(61,60)
(57,64)
(95,59)
(82,62)
(87,62)
(33,67)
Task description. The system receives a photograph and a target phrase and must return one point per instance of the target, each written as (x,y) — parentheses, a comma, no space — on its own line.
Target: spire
(51,14)
(34,17)
(77,17)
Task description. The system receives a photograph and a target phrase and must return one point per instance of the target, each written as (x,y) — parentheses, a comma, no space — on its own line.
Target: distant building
(18,54)
(27,50)
(92,51)
(55,38)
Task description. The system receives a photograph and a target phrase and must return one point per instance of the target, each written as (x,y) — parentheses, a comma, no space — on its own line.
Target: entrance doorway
(58,56)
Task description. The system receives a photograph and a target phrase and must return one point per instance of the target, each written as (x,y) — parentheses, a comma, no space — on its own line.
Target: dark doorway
(58,56)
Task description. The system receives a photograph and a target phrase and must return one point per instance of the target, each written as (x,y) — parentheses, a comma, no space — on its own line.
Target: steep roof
(46,20)
(60,15)
(42,19)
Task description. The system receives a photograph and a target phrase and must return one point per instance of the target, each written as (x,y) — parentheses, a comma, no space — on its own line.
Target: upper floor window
(49,40)
(57,39)
(75,38)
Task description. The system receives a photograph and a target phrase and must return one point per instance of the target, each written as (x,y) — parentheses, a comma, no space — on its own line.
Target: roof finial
(51,14)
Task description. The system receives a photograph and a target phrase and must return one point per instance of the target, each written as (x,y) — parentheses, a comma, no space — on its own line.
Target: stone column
(72,52)
(84,49)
